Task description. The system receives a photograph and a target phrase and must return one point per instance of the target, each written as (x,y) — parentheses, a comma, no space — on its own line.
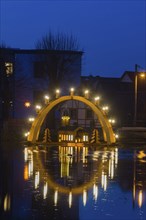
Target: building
(119,95)
(27,75)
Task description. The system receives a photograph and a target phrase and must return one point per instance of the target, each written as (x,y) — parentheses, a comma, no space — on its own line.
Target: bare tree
(64,53)
(58,41)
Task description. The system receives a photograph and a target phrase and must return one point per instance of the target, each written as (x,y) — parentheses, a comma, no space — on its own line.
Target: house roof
(39,51)
(95,82)
(128,76)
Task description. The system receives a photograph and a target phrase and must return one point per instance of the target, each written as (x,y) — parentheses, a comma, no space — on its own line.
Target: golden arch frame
(108,133)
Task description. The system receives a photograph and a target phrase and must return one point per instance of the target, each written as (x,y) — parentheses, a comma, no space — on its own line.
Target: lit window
(9,68)
(85,138)
(66,137)
(62,137)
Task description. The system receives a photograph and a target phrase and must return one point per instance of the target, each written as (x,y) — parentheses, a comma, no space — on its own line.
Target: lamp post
(135,95)
(136,91)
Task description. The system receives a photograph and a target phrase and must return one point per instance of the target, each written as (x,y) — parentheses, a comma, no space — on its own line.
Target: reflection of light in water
(140,198)
(70,199)
(25,154)
(85,153)
(45,190)
(112,155)
(141,154)
(104,181)
(30,167)
(116,156)
(112,168)
(134,189)
(70,150)
(37,179)
(65,158)
(95,192)
(84,197)
(104,157)
(55,197)
(109,168)
(26,172)
(64,169)
(7,203)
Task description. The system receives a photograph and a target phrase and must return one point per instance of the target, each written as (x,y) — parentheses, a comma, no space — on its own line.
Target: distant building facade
(119,95)
(27,75)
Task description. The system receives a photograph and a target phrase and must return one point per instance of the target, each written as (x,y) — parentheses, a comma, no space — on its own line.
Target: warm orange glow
(70,199)
(95,191)
(140,198)
(27,104)
(7,202)
(45,190)
(25,172)
(84,197)
(143,75)
(55,197)
(72,91)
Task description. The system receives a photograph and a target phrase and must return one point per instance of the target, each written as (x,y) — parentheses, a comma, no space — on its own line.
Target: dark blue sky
(111,33)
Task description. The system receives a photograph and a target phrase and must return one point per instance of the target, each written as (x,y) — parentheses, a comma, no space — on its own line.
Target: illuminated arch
(108,134)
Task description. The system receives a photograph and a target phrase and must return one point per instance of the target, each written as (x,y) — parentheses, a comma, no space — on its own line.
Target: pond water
(73,183)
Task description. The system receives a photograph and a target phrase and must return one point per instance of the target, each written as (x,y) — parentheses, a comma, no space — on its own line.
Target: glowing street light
(142,75)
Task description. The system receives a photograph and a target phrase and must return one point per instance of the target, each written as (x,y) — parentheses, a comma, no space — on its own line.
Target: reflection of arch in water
(79,189)
(66,189)
(106,126)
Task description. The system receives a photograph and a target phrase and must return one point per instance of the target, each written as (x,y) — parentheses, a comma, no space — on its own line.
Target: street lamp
(142,74)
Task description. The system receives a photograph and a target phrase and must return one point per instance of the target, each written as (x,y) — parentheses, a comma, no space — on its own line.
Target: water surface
(79,183)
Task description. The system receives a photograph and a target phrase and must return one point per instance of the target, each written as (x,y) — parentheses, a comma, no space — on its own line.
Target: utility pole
(135,95)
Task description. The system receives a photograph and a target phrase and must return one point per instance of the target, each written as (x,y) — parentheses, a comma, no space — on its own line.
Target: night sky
(112,34)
